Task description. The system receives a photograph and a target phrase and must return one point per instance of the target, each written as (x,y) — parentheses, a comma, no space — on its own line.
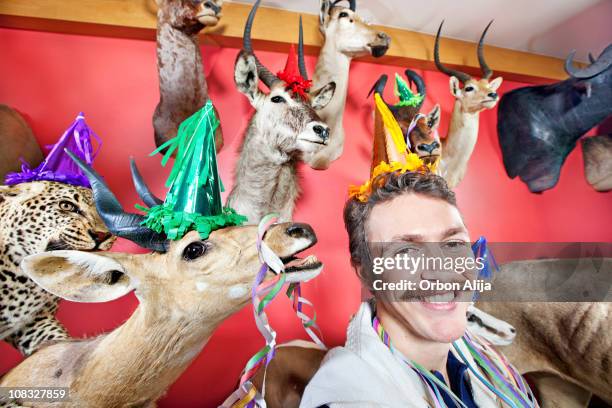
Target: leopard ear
(21,192)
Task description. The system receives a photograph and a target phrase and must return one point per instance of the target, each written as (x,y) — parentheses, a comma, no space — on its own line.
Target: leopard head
(45,215)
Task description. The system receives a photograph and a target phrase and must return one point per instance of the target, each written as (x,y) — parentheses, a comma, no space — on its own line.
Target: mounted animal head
(190,275)
(422,136)
(475,95)
(190,16)
(403,113)
(538,126)
(44,215)
(286,119)
(495,331)
(350,35)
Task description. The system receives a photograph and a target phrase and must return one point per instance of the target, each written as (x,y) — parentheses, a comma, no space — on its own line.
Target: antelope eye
(277,99)
(67,206)
(343,14)
(471,318)
(469,88)
(194,251)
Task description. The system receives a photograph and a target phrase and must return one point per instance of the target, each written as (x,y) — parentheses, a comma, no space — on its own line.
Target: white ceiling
(548,27)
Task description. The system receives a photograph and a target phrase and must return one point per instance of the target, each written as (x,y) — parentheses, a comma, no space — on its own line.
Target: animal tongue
(301,261)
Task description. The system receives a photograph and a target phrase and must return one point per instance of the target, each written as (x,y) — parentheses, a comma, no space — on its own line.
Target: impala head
(288,121)
(475,95)
(423,137)
(211,277)
(192,15)
(349,33)
(497,332)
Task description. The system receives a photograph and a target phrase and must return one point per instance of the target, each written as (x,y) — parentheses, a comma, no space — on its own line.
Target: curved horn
(353,5)
(119,222)
(591,58)
(486,71)
(462,76)
(301,62)
(379,88)
(142,189)
(266,76)
(418,81)
(602,63)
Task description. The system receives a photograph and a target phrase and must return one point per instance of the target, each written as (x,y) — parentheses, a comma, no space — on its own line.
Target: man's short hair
(385,188)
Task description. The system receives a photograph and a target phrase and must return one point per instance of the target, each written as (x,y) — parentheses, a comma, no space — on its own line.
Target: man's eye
(343,14)
(455,245)
(277,99)
(67,206)
(469,88)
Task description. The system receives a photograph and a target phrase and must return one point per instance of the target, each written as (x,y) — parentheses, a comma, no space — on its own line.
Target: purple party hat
(58,166)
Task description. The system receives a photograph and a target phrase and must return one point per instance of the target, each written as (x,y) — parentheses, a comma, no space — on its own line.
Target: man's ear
(433,118)
(323,96)
(324,8)
(496,83)
(21,192)
(245,76)
(455,87)
(80,276)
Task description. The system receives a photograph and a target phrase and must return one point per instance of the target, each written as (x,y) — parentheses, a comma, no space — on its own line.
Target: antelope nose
(99,236)
(428,147)
(383,36)
(512,330)
(493,95)
(301,231)
(322,131)
(213,6)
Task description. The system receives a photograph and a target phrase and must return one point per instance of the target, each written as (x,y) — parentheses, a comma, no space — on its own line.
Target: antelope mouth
(430,159)
(302,269)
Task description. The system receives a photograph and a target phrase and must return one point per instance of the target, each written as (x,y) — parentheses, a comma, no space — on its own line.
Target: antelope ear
(455,88)
(79,276)
(323,96)
(324,8)
(433,118)
(245,76)
(496,83)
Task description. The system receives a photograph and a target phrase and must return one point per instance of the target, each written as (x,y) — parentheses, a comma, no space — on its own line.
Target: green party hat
(193,201)
(405,95)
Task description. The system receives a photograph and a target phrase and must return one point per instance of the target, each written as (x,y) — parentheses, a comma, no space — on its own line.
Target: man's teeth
(443,298)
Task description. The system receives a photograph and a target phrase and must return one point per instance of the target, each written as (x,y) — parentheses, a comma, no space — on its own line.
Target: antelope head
(476,95)
(348,32)
(287,120)
(192,277)
(191,15)
(422,136)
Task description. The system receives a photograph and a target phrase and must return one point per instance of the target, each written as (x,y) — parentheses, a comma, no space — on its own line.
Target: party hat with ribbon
(405,94)
(58,166)
(193,201)
(292,77)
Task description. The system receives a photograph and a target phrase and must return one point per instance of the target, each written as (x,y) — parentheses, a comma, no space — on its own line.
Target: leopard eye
(194,251)
(67,206)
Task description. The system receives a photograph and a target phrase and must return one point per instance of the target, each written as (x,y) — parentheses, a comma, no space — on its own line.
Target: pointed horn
(418,80)
(463,77)
(486,71)
(301,62)
(266,76)
(379,88)
(142,189)
(591,58)
(119,222)
(353,5)
(602,63)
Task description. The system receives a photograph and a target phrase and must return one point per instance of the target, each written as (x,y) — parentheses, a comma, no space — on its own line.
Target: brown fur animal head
(476,95)
(352,36)
(423,137)
(191,16)
(46,215)
(211,277)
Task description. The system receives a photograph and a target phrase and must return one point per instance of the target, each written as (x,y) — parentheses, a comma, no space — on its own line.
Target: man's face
(416,220)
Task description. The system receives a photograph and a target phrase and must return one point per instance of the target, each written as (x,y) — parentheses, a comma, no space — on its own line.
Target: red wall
(51,77)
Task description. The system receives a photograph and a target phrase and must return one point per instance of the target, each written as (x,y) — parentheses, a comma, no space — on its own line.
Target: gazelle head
(422,136)
(192,15)
(476,95)
(211,278)
(496,331)
(287,120)
(349,33)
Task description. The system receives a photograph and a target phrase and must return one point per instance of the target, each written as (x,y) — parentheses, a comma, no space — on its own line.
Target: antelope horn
(418,80)
(119,222)
(142,189)
(462,76)
(353,5)
(301,62)
(379,88)
(602,63)
(266,76)
(591,58)
(486,71)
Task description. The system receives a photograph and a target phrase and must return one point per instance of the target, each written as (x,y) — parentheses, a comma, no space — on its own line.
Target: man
(406,353)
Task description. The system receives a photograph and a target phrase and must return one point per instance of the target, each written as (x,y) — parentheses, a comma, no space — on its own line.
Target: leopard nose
(100,236)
